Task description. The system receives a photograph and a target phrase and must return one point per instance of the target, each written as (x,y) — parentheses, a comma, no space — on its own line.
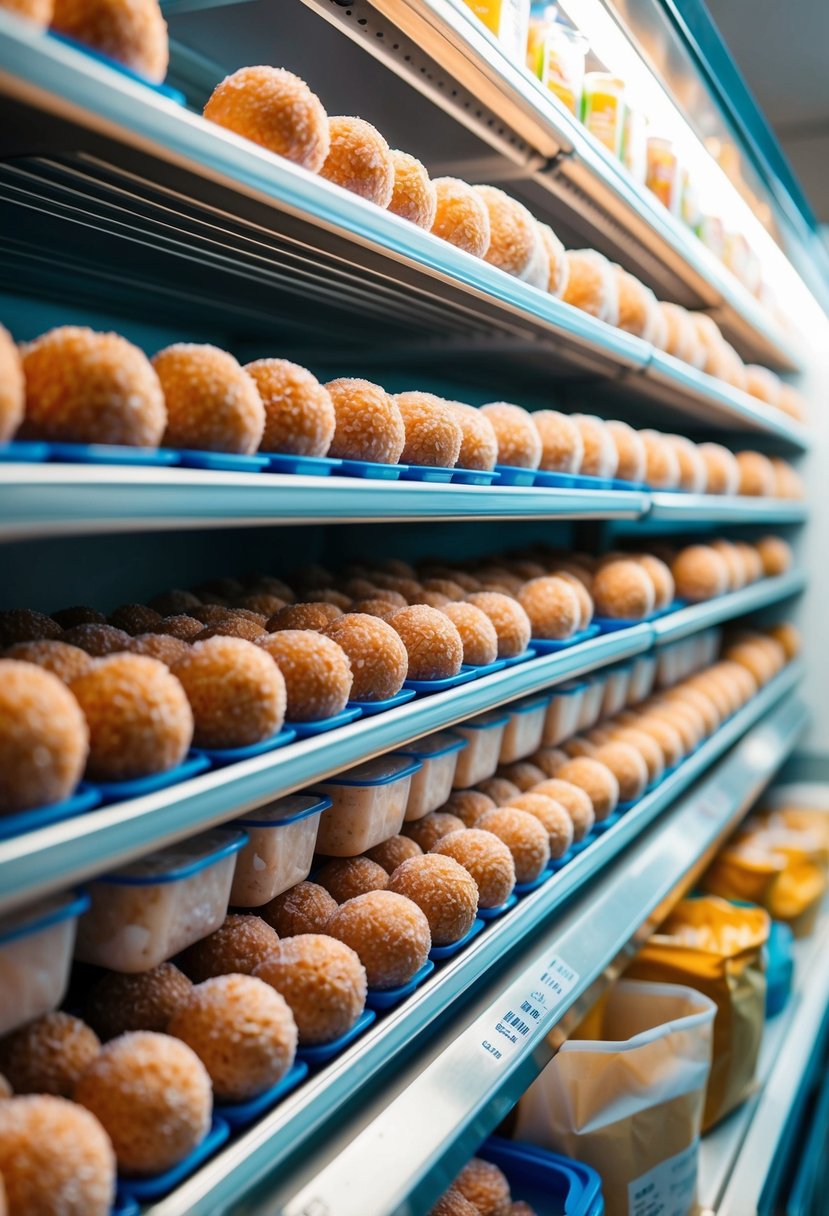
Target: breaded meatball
(44,739)
(134,33)
(487,859)
(368,423)
(237,947)
(212,402)
(414,197)
(444,891)
(119,1003)
(305,908)
(316,672)
(623,589)
(276,110)
(461,216)
(236,693)
(299,412)
(479,443)
(512,625)
(322,980)
(433,434)
(388,932)
(519,443)
(359,160)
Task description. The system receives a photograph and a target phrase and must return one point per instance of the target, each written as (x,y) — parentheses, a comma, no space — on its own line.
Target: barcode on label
(542,995)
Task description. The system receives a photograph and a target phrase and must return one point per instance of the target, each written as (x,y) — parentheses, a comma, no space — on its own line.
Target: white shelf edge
(718,509)
(726,607)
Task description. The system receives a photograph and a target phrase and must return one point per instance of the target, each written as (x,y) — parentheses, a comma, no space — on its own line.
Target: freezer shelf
(767,591)
(155,199)
(431,1113)
(679,510)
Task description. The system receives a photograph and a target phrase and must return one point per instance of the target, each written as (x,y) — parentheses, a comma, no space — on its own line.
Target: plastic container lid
(42,915)
(484,722)
(530,703)
(380,771)
(434,745)
(285,811)
(570,688)
(180,860)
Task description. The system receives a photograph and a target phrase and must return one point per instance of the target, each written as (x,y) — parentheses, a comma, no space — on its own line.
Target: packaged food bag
(717,948)
(626,1097)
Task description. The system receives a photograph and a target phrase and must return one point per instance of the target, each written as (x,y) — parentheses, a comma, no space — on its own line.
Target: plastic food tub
(280,848)
(563,713)
(642,676)
(591,704)
(35,957)
(669,665)
(438,754)
(153,908)
(615,694)
(368,805)
(553,1185)
(484,736)
(524,728)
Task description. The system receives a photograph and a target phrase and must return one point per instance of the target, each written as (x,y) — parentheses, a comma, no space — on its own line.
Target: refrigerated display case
(123,208)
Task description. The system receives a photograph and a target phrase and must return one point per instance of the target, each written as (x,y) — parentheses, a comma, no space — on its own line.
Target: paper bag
(629,1101)
(717,948)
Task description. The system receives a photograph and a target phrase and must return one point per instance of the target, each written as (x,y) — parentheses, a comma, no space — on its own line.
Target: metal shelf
(434,1109)
(60,499)
(155,203)
(679,509)
(726,607)
(736,1157)
(55,857)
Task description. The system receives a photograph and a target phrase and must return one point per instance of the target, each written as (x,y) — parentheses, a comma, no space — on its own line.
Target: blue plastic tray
(305,730)
(555,481)
(321,1053)
(583,481)
(488,669)
(124,1205)
(553,645)
(558,863)
(438,953)
(84,798)
(117,791)
(553,1185)
(308,466)
(529,653)
(511,475)
(24,451)
(224,462)
(424,687)
(425,472)
(371,469)
(604,825)
(219,757)
(111,453)
(614,624)
(619,483)
(163,90)
(494,913)
(156,1187)
(524,888)
(386,998)
(240,1114)
(475,477)
(370,708)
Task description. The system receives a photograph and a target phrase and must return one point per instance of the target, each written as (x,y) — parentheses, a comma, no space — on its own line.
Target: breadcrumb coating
(433,435)
(519,443)
(479,443)
(237,947)
(467,805)
(120,1003)
(485,1186)
(552,607)
(453,1203)
(432,642)
(562,446)
(26,625)
(597,781)
(369,425)
(167,649)
(393,852)
(659,573)
(359,160)
(487,859)
(299,412)
(524,835)
(345,877)
(43,738)
(600,458)
(48,1055)
(512,625)
(477,633)
(500,789)
(316,671)
(305,908)
(522,773)
(276,110)
(64,661)
(630,451)
(514,237)
(414,196)
(461,216)
(133,32)
(323,982)
(445,892)
(427,831)
(623,589)
(388,932)
(237,695)
(628,767)
(591,285)
(378,657)
(212,402)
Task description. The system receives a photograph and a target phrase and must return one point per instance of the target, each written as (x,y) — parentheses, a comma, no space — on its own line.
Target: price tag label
(529,1006)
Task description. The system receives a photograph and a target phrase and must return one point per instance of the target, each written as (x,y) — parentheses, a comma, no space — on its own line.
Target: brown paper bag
(629,1101)
(716,948)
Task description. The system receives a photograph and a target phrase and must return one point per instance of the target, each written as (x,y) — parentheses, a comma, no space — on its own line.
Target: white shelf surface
(423,1118)
(681,509)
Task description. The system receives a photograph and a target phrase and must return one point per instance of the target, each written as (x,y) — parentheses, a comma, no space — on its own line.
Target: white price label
(528,1006)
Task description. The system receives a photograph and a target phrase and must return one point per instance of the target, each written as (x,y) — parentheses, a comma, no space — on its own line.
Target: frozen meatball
(55,1158)
(25,625)
(624,590)
(43,738)
(317,616)
(660,575)
(97,640)
(443,890)
(393,852)
(181,626)
(87,387)
(499,789)
(562,445)
(64,661)
(243,1032)
(597,781)
(427,831)
(175,602)
(131,618)
(638,308)
(477,632)
(134,34)
(512,625)
(485,1186)
(236,693)
(550,814)
(700,574)
(756,475)
(665,735)
(433,435)
(693,470)
(414,197)
(721,469)
(514,240)
(468,806)
(549,759)
(591,285)
(359,160)
(432,642)
(479,443)
(379,660)
(775,554)
(525,837)
(388,932)
(233,626)
(552,607)
(519,444)
(120,1003)
(461,216)
(345,877)
(238,946)
(166,649)
(762,384)
(80,614)
(322,980)
(305,908)
(316,671)
(646,746)
(600,458)
(661,461)
(368,423)
(152,1095)
(557,269)
(681,339)
(487,859)
(299,412)
(628,767)
(48,1055)
(276,110)
(139,718)
(212,402)
(573,799)
(375,607)
(787,482)
(453,1203)
(630,451)
(522,773)
(788,636)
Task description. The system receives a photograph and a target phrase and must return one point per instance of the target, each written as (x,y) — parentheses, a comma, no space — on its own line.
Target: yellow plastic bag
(716,948)
(629,1100)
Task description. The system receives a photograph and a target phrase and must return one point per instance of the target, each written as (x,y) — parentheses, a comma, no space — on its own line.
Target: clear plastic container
(35,957)
(668,665)
(280,848)
(368,805)
(616,690)
(563,713)
(508,20)
(430,788)
(153,908)
(561,64)
(603,109)
(664,176)
(642,677)
(525,727)
(484,735)
(591,704)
